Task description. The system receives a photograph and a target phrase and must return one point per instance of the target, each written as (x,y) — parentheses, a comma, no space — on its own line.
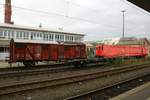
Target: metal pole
(123,11)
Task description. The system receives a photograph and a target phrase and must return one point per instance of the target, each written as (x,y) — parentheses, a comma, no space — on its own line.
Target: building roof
(13,26)
(147,40)
(111,41)
(145,4)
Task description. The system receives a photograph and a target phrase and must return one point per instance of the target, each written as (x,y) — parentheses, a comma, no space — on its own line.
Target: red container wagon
(114,51)
(29,53)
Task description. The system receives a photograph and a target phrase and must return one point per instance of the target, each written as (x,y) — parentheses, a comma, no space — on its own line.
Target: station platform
(140,93)
(4,64)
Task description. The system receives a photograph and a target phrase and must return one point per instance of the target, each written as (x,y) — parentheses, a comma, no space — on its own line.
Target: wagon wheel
(26,64)
(32,64)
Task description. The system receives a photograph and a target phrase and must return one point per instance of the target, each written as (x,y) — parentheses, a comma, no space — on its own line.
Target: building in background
(34,35)
(4,48)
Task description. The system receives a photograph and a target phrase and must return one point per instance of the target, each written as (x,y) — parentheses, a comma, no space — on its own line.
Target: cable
(75,4)
(52,13)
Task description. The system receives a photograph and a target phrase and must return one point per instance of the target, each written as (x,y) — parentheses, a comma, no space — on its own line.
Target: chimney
(8,12)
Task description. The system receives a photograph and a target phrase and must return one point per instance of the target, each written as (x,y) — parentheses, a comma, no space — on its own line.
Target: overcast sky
(96,18)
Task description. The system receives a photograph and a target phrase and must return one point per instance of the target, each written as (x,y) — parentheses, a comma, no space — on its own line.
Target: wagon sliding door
(53,52)
(61,52)
(68,52)
(45,54)
(80,51)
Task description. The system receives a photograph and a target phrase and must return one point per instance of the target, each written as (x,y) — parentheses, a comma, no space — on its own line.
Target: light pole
(123,11)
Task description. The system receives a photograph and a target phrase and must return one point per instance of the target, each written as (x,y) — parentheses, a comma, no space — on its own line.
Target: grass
(132,61)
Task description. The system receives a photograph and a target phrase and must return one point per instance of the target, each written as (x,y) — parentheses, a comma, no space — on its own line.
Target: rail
(38,84)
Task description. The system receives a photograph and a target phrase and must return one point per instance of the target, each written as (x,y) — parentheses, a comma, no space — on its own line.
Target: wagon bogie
(29,63)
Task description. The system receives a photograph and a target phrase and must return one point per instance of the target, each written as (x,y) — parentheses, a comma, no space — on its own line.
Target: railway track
(37,67)
(30,75)
(32,85)
(111,91)
(41,69)
(33,71)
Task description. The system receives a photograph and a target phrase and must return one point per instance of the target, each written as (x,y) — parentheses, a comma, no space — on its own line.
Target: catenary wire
(56,14)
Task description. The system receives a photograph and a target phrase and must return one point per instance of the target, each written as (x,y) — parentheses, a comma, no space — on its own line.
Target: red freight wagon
(114,51)
(29,53)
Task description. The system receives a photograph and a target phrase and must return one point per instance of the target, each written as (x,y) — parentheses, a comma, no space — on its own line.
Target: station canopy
(145,4)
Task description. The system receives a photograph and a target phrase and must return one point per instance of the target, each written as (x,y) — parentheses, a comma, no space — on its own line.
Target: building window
(12,34)
(71,38)
(59,37)
(34,35)
(50,37)
(1,49)
(1,33)
(77,38)
(5,33)
(46,37)
(25,35)
(62,37)
(17,35)
(38,35)
(67,38)
(56,37)
(21,35)
(4,49)
(41,35)
(9,34)
(31,36)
